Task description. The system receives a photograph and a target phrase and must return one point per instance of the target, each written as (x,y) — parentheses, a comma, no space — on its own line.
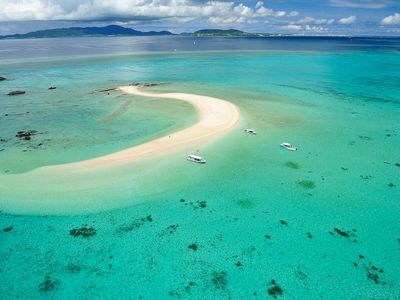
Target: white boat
(289,146)
(196,159)
(252,131)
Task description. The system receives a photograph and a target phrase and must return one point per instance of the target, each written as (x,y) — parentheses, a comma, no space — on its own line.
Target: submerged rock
(107,90)
(83,231)
(150,84)
(15,93)
(26,135)
(340,232)
(193,247)
(8,229)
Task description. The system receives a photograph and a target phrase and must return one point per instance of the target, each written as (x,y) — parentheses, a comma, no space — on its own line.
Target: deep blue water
(35,48)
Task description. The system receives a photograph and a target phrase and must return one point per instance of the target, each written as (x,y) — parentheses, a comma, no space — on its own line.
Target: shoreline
(215,117)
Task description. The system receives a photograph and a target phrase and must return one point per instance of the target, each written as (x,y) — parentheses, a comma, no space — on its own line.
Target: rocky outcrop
(15,93)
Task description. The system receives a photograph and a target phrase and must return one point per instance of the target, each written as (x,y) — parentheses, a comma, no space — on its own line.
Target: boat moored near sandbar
(252,131)
(196,159)
(289,146)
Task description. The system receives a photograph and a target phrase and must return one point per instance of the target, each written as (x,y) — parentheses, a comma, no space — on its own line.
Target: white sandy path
(216,117)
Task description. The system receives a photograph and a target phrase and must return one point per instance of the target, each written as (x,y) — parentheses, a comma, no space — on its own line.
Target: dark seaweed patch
(246,203)
(292,165)
(267,236)
(73,268)
(397,164)
(391,185)
(169,230)
(274,290)
(49,284)
(135,224)
(283,222)
(307,184)
(83,231)
(8,229)
(309,235)
(180,292)
(374,274)
(219,279)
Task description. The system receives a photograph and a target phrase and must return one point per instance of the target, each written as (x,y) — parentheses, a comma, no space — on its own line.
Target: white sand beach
(216,117)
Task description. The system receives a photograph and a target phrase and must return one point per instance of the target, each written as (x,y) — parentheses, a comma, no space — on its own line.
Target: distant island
(115,30)
(111,30)
(222,32)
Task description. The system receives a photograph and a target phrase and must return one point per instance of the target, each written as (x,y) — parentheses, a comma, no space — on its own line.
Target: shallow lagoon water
(321,222)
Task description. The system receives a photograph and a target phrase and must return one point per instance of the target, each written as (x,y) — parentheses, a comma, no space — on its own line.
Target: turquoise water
(322,222)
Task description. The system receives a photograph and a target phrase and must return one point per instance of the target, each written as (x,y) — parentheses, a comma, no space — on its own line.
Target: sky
(338,17)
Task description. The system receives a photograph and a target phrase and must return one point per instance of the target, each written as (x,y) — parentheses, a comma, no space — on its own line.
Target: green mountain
(111,30)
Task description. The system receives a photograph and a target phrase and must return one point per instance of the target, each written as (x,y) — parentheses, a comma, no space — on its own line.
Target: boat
(196,159)
(252,131)
(289,146)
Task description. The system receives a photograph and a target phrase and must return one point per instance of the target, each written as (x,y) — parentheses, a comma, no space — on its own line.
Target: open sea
(255,222)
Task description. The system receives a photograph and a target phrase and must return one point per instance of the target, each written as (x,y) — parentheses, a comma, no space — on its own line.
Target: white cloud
(391,20)
(372,4)
(293,27)
(259,4)
(280,13)
(348,20)
(29,10)
(307,20)
(293,14)
(215,11)
(315,28)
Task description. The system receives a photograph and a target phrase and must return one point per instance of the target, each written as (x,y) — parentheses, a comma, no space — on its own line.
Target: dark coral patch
(219,279)
(274,290)
(49,284)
